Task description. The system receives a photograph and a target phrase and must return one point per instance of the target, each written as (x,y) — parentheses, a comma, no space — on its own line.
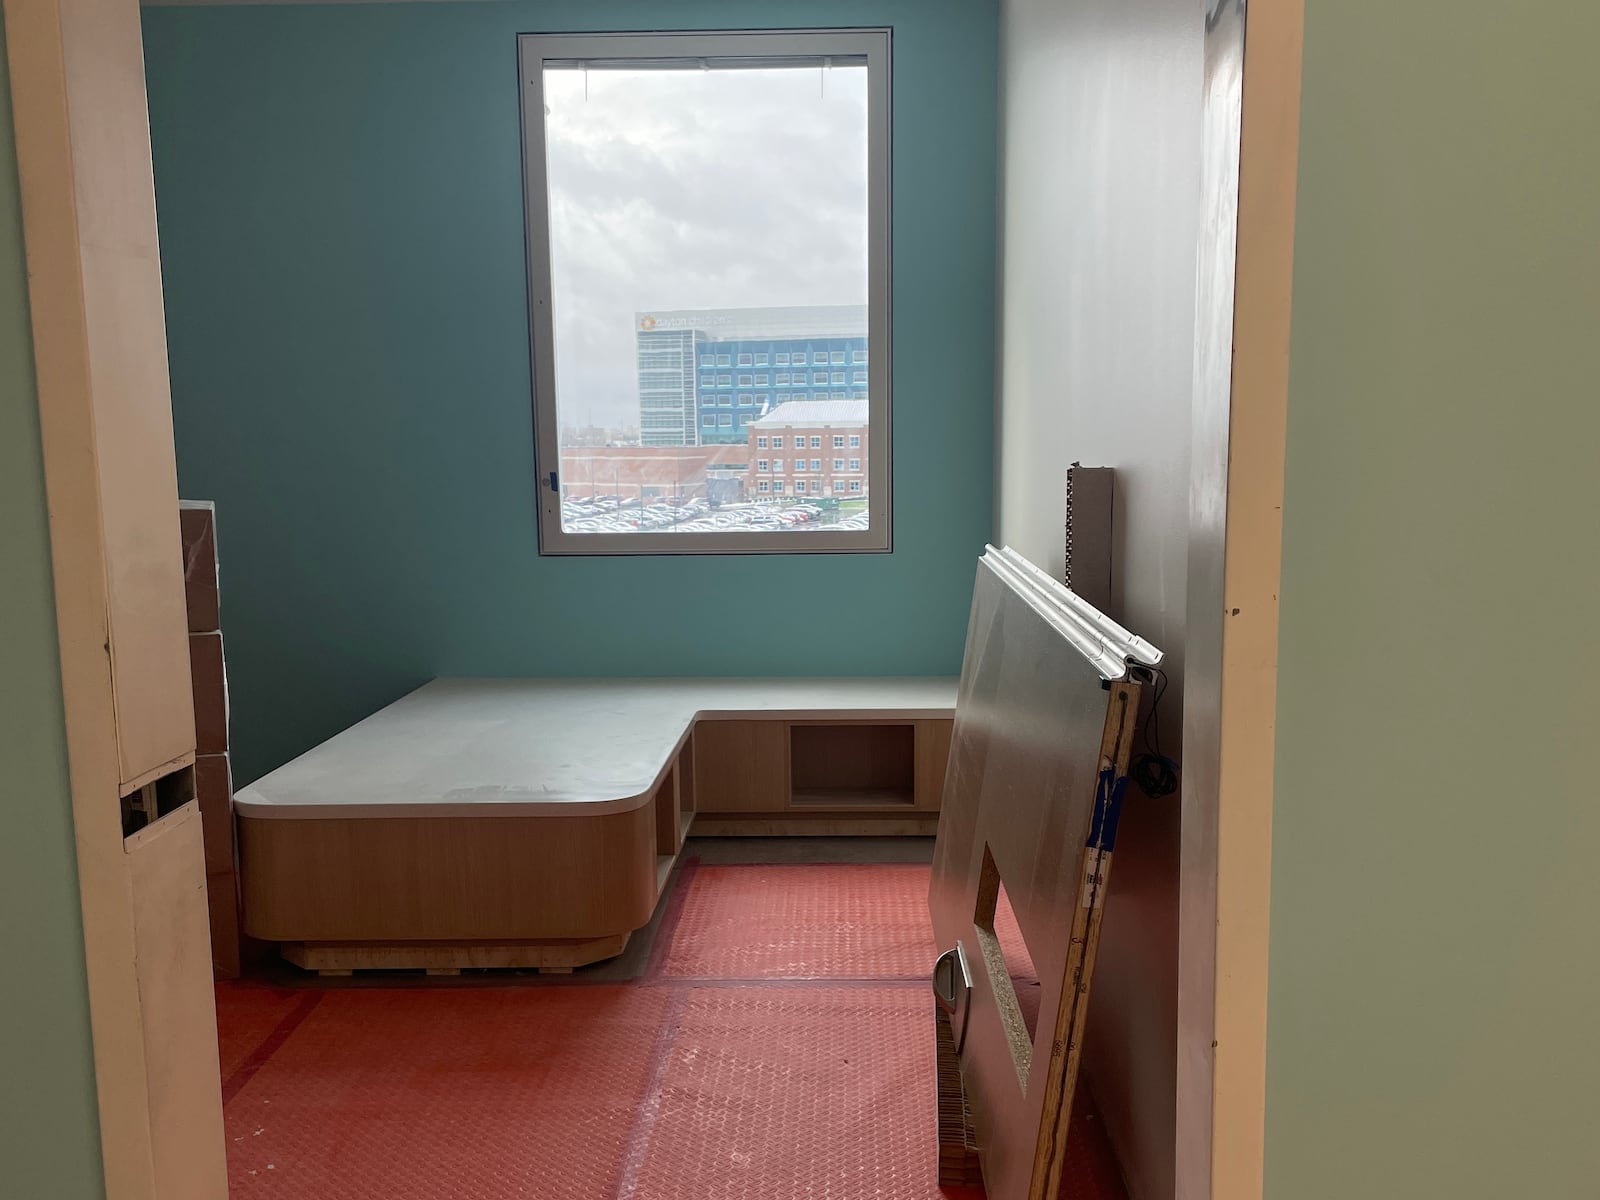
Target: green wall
(49,1131)
(340,202)
(1434,1024)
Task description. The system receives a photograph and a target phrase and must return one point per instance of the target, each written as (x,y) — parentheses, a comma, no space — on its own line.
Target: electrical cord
(1153,771)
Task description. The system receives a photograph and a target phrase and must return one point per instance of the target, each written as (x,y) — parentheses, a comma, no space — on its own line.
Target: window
(855,464)
(838,441)
(777,443)
(764,486)
(761,443)
(777,485)
(761,464)
(836,377)
(858,356)
(626,223)
(838,464)
(777,464)
(858,377)
(855,485)
(816,464)
(800,485)
(855,441)
(783,376)
(816,442)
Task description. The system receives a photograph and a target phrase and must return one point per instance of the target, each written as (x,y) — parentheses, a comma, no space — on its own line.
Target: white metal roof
(814,412)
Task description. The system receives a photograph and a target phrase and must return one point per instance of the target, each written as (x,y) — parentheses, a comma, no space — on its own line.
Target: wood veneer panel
(419,878)
(741,766)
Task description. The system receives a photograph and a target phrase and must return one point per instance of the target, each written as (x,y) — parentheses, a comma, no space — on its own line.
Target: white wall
(1099,170)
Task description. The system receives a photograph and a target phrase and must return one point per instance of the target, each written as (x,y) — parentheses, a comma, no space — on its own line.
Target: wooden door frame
(1250,142)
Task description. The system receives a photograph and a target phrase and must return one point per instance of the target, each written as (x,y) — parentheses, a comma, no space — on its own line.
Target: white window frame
(694,47)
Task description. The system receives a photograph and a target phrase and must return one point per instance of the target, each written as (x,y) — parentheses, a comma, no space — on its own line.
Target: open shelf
(852,766)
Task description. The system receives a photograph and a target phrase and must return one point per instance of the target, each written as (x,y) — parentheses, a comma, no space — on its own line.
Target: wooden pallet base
(555,957)
(958,1140)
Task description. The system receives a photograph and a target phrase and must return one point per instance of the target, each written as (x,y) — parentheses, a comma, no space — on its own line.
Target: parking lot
(616,514)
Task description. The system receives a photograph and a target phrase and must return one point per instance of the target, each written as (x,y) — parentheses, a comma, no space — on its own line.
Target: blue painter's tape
(1108,796)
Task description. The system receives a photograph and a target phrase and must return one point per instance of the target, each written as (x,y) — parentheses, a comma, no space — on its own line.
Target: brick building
(808,449)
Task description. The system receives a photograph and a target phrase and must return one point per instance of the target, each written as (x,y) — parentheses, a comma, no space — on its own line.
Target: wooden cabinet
(741,766)
(840,776)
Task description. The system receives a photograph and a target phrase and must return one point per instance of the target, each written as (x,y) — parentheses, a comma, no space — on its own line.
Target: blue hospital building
(705,375)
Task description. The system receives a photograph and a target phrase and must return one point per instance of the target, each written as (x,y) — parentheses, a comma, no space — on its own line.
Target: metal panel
(1041,740)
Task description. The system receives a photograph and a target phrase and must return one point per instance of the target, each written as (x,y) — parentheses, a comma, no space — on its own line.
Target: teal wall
(49,1130)
(1434,1026)
(341,218)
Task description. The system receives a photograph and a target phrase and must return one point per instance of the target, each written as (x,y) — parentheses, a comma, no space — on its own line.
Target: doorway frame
(1244,284)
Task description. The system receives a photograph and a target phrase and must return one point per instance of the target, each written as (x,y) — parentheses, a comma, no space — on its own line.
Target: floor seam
(636,1147)
(281,1032)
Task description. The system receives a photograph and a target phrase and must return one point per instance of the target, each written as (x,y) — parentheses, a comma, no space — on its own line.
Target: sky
(695,189)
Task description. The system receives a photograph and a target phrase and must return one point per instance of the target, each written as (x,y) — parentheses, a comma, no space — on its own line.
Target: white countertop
(543,747)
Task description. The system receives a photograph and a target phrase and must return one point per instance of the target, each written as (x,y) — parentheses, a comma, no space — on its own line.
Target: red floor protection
(470,1094)
(247,1014)
(780,1048)
(804,922)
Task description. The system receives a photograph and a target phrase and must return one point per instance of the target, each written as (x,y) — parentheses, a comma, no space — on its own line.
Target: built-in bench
(534,823)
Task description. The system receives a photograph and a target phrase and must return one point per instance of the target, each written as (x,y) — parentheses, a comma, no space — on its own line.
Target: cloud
(695,189)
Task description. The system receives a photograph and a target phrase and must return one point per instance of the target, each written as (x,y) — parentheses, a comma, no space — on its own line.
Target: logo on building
(647,323)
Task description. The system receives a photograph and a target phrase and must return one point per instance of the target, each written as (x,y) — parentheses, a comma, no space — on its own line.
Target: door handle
(952,989)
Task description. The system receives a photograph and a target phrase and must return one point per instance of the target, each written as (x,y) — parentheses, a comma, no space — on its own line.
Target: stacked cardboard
(213,780)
